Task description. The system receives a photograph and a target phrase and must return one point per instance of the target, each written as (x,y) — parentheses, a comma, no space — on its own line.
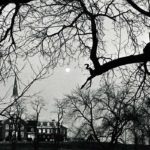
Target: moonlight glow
(67,70)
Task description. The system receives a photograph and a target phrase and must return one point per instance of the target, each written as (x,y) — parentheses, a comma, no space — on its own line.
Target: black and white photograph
(74,74)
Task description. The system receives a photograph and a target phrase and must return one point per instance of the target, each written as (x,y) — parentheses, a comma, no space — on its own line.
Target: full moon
(67,70)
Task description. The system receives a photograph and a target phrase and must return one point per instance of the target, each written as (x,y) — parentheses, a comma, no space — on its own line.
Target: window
(48,130)
(43,130)
(22,127)
(29,136)
(56,131)
(7,126)
(48,124)
(44,123)
(22,134)
(6,134)
(39,130)
(32,129)
(51,124)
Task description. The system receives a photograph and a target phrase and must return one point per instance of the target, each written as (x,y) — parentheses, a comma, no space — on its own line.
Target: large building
(14,128)
(50,131)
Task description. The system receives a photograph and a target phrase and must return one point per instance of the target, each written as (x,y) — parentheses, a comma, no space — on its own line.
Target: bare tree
(15,115)
(16,95)
(18,109)
(142,122)
(38,105)
(81,109)
(108,113)
(109,33)
(60,111)
(56,29)
(60,107)
(120,114)
(145,10)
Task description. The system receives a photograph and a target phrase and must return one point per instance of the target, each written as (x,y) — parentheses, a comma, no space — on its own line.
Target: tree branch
(135,6)
(117,63)
(120,62)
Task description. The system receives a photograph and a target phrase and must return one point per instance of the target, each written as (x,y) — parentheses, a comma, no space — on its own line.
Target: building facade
(50,131)
(15,128)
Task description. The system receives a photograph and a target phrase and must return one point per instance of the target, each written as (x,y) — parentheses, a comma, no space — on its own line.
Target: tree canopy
(110,33)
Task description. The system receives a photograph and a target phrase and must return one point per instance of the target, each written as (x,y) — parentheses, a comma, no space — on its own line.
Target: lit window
(48,130)
(39,130)
(43,130)
(29,136)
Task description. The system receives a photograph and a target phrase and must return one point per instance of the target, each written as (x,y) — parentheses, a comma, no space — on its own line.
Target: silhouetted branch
(116,63)
(61,30)
(135,6)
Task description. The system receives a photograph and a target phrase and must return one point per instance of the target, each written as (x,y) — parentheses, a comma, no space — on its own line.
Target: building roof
(40,124)
(13,117)
(31,122)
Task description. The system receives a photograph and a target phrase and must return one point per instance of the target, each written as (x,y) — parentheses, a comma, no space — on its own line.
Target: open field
(69,146)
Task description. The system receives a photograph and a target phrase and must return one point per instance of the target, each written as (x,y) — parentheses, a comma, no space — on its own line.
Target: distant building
(49,131)
(15,128)
(31,129)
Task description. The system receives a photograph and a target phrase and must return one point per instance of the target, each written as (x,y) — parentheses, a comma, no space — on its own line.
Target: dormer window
(48,124)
